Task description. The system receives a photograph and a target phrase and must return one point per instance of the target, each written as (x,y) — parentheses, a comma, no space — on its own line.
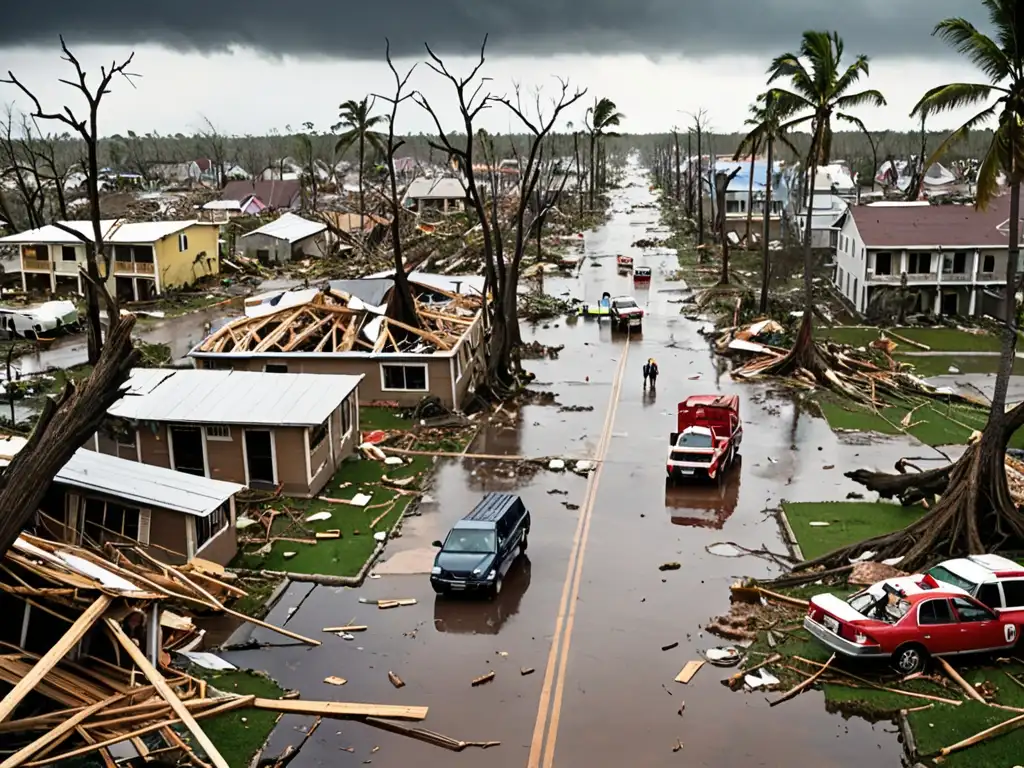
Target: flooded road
(589,610)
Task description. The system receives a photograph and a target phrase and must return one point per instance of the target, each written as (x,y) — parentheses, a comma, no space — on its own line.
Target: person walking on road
(650,372)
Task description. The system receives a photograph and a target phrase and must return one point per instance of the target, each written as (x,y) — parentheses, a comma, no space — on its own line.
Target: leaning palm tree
(820,89)
(975,512)
(599,119)
(767,130)
(358,125)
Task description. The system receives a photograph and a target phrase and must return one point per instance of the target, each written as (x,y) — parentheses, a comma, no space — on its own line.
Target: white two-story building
(953,255)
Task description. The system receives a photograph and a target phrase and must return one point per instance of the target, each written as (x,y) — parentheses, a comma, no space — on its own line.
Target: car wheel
(496,589)
(909,659)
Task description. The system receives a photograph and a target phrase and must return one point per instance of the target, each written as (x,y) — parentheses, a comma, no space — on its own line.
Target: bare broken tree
(65,423)
(501,270)
(402,307)
(213,144)
(88,129)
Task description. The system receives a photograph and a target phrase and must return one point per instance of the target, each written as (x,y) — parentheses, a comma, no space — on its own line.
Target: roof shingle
(949,225)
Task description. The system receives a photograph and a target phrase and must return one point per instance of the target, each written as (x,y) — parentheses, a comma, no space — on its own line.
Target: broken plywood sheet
(688,671)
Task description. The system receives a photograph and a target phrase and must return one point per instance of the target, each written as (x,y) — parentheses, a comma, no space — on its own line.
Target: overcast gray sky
(267,64)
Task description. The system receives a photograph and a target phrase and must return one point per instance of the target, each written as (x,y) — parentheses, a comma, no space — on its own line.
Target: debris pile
(648,242)
(540,306)
(105,680)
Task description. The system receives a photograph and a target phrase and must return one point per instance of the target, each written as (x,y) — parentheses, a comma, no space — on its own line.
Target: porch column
(974,273)
(937,309)
(973,294)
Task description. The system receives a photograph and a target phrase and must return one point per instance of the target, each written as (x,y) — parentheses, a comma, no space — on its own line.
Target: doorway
(187,450)
(259,457)
(950,303)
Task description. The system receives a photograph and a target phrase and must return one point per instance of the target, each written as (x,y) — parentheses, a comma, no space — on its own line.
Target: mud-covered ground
(589,609)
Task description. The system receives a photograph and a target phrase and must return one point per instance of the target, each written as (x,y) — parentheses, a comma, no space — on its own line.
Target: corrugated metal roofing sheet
(234,397)
(145,484)
(290,228)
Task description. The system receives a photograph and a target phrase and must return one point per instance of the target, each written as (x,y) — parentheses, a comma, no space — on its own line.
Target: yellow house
(147,258)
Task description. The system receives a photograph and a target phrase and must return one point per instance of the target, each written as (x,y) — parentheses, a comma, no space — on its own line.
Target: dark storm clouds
(351,29)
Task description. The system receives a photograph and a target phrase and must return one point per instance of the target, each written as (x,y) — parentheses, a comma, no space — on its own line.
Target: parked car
(626,313)
(479,550)
(907,620)
(995,580)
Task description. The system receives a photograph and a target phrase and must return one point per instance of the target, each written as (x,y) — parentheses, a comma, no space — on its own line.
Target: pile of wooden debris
(86,656)
(335,321)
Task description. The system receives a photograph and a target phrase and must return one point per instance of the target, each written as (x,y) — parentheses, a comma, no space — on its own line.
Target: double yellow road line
(542,751)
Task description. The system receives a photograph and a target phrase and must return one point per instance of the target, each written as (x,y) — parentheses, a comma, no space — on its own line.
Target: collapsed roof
(346,317)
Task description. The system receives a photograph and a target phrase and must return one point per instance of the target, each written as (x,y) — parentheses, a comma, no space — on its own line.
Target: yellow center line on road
(550,707)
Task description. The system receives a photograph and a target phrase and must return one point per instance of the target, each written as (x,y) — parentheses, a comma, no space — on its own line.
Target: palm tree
(766,130)
(599,119)
(356,119)
(820,89)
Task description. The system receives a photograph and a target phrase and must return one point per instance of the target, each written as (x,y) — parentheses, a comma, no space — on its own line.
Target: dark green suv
(481,547)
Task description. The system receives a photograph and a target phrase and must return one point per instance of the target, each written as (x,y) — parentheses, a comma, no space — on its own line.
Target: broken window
(988,264)
(935,612)
(883,263)
(919,263)
(733,206)
(38,252)
(143,253)
(968,610)
(209,526)
(404,377)
(954,263)
(318,434)
(122,253)
(106,521)
(68,253)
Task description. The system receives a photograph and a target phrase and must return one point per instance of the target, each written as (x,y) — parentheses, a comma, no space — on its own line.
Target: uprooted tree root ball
(975,513)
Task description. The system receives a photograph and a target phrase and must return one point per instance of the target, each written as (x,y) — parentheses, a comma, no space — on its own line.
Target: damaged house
(444,195)
(344,330)
(276,195)
(954,256)
(265,430)
(288,238)
(148,257)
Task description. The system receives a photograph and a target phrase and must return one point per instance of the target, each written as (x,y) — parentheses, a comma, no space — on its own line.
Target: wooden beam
(341,709)
(228,705)
(275,335)
(349,337)
(50,659)
(431,337)
(154,676)
(308,331)
(58,733)
(382,335)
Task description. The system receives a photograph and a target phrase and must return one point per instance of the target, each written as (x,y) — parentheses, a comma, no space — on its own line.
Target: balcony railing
(956,277)
(990,276)
(35,265)
(134,267)
(923,277)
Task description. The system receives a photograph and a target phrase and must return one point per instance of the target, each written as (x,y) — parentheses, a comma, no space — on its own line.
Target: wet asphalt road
(607,688)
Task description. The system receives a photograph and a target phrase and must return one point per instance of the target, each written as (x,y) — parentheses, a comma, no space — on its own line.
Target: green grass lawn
(238,740)
(933,423)
(849,521)
(344,556)
(926,366)
(377,417)
(939,339)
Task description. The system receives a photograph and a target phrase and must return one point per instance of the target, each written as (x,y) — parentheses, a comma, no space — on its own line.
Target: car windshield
(880,607)
(470,540)
(946,576)
(694,440)
(625,303)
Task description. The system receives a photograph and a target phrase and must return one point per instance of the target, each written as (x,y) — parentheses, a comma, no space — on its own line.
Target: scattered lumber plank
(799,687)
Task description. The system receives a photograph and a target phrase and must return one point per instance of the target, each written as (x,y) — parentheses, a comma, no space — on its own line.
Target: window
(122,253)
(954,263)
(275,368)
(107,521)
(839,277)
(182,242)
(733,206)
(935,612)
(946,576)
(38,252)
(412,378)
(919,263)
(212,364)
(968,610)
(317,435)
(346,416)
(209,526)
(1013,591)
(854,296)
(68,253)
(470,540)
(988,263)
(218,432)
(143,253)
(694,440)
(989,595)
(883,263)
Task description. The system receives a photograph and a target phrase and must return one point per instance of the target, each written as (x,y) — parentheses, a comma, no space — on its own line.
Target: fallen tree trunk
(65,423)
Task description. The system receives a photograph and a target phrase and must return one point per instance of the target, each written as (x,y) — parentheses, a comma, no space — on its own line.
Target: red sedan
(909,619)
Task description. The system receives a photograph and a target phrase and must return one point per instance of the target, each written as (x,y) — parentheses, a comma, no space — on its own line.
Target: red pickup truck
(708,437)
